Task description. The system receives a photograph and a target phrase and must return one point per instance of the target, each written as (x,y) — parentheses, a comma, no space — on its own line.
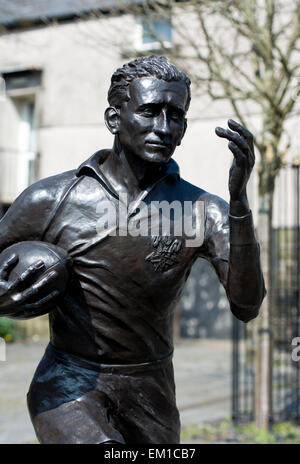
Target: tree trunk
(263,382)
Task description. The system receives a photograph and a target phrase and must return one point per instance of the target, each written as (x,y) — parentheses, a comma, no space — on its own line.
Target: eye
(149,110)
(176,115)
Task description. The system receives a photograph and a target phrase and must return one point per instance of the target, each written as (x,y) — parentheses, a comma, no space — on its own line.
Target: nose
(162,123)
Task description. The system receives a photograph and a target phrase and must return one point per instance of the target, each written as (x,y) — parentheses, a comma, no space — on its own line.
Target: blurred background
(56,60)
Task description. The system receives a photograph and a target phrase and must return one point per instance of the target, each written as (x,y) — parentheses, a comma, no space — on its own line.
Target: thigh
(147,411)
(66,407)
(82,421)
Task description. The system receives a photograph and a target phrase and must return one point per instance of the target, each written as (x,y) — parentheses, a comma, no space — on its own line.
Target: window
(16,80)
(27,140)
(153,32)
(18,135)
(2,89)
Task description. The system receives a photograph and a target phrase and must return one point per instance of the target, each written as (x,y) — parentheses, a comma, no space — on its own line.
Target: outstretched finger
(7,266)
(241,130)
(43,303)
(36,288)
(38,308)
(233,137)
(28,274)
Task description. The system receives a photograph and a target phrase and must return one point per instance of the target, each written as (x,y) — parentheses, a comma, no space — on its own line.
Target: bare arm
(241,272)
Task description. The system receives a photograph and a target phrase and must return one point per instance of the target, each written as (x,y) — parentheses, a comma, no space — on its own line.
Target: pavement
(202,373)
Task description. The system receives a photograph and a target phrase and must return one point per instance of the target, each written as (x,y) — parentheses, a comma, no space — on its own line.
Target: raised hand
(22,298)
(242,146)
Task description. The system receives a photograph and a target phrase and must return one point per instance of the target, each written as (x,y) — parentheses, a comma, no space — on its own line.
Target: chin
(157,158)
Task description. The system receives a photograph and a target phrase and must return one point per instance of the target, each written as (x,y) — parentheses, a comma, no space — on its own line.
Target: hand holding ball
(33,276)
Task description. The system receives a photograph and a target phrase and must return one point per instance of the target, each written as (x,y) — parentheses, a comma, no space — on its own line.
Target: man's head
(145,66)
(149,98)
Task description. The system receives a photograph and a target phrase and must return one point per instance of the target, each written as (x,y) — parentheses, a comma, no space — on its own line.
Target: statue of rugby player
(107,374)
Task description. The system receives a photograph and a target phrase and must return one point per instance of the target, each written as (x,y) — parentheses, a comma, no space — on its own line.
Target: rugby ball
(28,253)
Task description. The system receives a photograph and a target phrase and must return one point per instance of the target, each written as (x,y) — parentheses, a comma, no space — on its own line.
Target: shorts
(72,400)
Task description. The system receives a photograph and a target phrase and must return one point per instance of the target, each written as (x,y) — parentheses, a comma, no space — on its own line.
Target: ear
(183,131)
(112,119)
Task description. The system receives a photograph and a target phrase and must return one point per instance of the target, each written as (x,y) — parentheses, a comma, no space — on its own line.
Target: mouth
(160,145)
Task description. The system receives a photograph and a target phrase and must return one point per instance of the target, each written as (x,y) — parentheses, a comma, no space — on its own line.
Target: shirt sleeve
(216,246)
(24,219)
(30,214)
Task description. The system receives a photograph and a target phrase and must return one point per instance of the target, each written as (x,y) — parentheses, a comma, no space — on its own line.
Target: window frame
(150,46)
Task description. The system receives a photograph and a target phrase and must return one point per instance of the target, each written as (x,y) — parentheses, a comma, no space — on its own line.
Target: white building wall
(72,101)
(77,64)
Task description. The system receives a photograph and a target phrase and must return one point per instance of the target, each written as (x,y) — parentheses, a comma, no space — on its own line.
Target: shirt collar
(95,162)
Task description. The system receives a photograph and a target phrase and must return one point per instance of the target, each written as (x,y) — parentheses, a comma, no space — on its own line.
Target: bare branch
(236,50)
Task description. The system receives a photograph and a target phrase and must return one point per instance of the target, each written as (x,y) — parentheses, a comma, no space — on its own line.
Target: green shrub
(227,432)
(8,330)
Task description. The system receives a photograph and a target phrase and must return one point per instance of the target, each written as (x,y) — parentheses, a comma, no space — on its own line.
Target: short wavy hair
(145,66)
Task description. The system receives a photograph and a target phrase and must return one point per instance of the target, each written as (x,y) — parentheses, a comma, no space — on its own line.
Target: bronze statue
(107,373)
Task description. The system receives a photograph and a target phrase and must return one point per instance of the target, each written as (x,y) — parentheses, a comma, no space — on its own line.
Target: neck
(128,173)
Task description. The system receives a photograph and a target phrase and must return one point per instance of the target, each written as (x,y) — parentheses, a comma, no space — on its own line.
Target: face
(152,123)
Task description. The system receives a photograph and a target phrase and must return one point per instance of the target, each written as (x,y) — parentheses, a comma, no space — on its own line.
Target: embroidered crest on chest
(165,254)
